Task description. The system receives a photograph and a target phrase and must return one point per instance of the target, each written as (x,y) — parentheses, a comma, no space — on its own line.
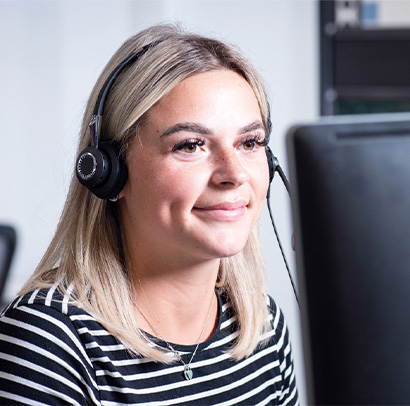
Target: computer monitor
(7,246)
(350,183)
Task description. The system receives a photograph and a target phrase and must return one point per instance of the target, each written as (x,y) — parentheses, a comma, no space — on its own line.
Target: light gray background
(51,55)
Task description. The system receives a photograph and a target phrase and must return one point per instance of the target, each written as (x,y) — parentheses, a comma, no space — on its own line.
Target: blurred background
(316,57)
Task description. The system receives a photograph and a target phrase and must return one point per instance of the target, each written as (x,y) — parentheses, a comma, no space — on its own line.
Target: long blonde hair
(87,251)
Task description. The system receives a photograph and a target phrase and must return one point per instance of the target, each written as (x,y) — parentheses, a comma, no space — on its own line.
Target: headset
(101,168)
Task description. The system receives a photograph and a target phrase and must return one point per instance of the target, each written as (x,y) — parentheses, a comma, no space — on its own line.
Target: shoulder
(276,332)
(42,317)
(44,308)
(276,316)
(46,356)
(277,336)
(279,339)
(51,314)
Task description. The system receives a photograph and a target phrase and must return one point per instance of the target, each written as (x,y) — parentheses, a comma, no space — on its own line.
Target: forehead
(212,92)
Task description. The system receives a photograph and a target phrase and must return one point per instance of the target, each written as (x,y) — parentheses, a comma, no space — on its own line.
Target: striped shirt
(54,353)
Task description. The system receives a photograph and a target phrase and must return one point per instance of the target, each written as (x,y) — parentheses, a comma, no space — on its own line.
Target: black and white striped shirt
(53,353)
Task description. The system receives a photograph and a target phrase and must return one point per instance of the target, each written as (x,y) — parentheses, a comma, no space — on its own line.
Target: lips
(224,211)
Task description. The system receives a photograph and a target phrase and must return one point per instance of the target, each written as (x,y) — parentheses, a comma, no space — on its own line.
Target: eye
(188,146)
(251,143)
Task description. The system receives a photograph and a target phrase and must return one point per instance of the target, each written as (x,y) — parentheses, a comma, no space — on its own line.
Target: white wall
(390,14)
(51,55)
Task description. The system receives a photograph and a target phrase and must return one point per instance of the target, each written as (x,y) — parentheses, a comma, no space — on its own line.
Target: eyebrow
(200,129)
(256,125)
(189,127)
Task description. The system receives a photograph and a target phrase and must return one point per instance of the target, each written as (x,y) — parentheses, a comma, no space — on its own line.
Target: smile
(225,211)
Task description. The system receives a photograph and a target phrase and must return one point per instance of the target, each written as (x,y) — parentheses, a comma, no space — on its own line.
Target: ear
(122,194)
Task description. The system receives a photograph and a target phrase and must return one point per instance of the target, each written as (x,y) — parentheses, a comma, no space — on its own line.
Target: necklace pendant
(188,374)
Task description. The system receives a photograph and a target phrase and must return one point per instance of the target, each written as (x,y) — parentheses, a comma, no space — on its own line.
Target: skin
(198,178)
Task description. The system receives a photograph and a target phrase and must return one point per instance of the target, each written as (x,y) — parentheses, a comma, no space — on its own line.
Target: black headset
(100,166)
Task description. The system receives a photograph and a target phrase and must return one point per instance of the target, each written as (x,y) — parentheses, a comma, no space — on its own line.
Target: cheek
(261,183)
(163,188)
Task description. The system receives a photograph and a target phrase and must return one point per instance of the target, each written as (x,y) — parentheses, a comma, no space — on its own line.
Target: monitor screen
(350,179)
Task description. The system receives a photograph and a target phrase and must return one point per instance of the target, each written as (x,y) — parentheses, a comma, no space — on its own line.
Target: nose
(228,170)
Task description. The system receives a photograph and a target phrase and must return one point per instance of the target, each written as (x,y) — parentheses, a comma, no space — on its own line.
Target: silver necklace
(188,374)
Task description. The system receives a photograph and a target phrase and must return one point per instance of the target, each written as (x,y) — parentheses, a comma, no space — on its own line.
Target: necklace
(188,374)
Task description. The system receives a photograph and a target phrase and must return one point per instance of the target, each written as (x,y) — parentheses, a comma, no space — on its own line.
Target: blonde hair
(87,251)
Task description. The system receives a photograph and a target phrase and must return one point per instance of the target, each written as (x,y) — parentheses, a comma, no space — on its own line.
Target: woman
(153,288)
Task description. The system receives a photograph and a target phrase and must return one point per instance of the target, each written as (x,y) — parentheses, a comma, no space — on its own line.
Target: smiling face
(198,173)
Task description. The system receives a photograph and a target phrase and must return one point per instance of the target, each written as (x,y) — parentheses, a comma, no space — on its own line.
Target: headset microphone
(274,167)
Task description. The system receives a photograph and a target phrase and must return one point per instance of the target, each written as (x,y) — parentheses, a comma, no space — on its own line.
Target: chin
(228,249)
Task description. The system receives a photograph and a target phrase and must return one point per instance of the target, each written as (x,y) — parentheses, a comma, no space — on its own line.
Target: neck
(175,302)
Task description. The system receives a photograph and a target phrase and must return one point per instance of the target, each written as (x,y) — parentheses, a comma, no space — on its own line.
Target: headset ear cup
(92,167)
(118,173)
(110,173)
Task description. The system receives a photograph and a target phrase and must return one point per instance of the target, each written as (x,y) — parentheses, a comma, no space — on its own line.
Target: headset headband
(96,120)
